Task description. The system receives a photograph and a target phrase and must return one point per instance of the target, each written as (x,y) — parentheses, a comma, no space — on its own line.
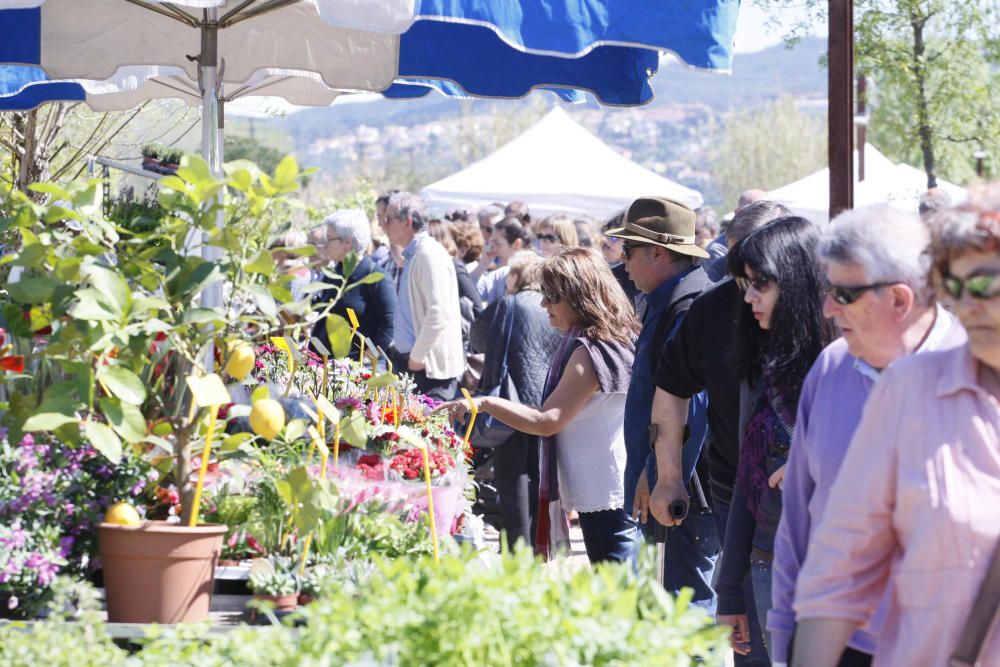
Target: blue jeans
(758,654)
(609,535)
(760,576)
(690,554)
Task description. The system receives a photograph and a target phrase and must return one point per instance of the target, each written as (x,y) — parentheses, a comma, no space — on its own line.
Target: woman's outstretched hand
(459,408)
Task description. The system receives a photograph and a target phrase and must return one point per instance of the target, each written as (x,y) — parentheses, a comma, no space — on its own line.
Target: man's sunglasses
(759,283)
(978,287)
(845,295)
(629,248)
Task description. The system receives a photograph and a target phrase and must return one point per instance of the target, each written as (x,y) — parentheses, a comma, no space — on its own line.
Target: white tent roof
(898,185)
(555,166)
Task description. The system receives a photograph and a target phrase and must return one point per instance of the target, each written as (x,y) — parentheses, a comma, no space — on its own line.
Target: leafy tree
(249,148)
(766,147)
(934,66)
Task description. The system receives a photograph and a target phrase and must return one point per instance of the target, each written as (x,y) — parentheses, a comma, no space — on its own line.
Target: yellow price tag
(208,390)
(354,319)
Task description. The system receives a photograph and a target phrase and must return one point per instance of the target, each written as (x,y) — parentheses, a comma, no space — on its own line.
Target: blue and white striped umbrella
(124,51)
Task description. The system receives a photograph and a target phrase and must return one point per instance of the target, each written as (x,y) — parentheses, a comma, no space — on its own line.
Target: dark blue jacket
(374,304)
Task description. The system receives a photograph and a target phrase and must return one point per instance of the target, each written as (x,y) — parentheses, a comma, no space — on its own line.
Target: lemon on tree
(122,514)
(267,418)
(239,359)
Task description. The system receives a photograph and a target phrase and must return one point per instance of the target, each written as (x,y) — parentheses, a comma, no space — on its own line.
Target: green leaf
(295,429)
(373,277)
(123,383)
(338,330)
(51,189)
(159,442)
(259,393)
(196,166)
(263,263)
(286,172)
(301,251)
(234,441)
(110,284)
(382,380)
(265,302)
(48,421)
(34,290)
(91,306)
(202,316)
(104,440)
(126,419)
(352,430)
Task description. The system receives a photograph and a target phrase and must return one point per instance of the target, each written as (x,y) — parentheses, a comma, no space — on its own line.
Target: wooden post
(840,104)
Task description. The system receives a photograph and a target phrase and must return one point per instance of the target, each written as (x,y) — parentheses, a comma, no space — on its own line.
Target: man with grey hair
(877,271)
(428,322)
(489,276)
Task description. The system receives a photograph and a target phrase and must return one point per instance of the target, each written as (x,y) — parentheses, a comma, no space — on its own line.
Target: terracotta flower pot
(281,602)
(159,572)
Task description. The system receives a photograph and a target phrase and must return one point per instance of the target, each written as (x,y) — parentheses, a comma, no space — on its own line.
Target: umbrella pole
(208,71)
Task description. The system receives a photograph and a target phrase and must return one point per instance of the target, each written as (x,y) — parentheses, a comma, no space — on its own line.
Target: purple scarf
(767,435)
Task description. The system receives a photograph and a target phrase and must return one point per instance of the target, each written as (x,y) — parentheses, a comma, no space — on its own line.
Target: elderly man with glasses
(877,270)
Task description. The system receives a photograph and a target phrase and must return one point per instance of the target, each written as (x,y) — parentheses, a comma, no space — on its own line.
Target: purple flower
(66,546)
(348,403)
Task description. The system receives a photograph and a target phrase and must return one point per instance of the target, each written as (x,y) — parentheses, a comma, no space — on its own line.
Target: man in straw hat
(660,253)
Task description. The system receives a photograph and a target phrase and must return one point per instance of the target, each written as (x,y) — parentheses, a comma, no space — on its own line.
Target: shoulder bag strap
(982,618)
(506,345)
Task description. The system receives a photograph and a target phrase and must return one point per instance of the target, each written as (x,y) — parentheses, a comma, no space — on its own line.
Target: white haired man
(877,270)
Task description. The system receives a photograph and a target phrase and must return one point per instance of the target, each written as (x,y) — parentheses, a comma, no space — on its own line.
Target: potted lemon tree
(130,333)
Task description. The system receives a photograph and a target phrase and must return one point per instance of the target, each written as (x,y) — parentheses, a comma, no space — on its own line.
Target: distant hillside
(756,78)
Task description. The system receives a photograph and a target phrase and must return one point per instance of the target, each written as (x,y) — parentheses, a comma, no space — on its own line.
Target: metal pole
(840,101)
(208,69)
(862,125)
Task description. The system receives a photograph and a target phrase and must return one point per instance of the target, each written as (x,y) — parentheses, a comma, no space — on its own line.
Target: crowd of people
(810,410)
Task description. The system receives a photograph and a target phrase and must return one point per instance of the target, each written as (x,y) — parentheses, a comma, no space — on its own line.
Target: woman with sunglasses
(780,333)
(919,514)
(582,450)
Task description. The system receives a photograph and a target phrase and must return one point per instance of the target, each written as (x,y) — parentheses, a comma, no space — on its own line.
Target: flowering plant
(241,545)
(51,498)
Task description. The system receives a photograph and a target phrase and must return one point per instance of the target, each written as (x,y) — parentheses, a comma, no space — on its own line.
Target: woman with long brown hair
(582,453)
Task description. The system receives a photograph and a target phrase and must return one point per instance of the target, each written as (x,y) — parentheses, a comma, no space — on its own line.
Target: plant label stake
(472,420)
(213,412)
(284,344)
(326,375)
(430,496)
(327,409)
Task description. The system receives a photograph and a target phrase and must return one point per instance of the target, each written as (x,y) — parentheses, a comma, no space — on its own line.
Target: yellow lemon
(240,359)
(267,418)
(122,514)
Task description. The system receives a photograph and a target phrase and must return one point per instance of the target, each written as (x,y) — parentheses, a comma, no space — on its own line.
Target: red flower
(370,460)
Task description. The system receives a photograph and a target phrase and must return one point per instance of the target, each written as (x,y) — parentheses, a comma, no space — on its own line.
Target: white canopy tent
(898,185)
(556,166)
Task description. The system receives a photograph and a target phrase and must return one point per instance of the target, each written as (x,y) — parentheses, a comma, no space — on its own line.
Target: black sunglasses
(978,287)
(551,297)
(845,295)
(759,283)
(551,238)
(629,248)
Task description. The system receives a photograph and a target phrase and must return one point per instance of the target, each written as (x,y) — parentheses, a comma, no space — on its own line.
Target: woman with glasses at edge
(919,513)
(781,331)
(581,420)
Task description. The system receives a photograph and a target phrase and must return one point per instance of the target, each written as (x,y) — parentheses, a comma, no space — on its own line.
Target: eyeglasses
(550,296)
(629,248)
(759,283)
(978,287)
(551,238)
(845,295)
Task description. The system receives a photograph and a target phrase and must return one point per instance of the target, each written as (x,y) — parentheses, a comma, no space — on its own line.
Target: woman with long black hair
(782,331)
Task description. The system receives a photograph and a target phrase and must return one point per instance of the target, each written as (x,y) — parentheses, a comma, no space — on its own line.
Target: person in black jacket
(374,303)
(532,344)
